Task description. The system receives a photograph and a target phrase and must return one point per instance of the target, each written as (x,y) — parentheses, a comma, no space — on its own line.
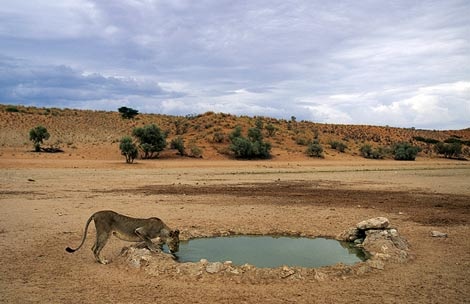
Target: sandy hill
(96,134)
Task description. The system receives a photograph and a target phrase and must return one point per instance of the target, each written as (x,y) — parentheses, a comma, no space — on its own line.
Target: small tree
(151,140)
(37,135)
(128,149)
(128,113)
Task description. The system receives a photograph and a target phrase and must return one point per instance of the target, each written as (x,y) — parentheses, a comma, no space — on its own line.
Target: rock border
(382,242)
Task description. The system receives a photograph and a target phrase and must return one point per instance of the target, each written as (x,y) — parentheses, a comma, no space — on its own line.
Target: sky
(401,63)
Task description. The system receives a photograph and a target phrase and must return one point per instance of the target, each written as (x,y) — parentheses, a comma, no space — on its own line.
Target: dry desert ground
(46,199)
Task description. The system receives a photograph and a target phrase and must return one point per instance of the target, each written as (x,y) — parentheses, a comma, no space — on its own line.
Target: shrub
(181,125)
(405,151)
(449,150)
(12,109)
(271,129)
(128,149)
(178,144)
(195,151)
(338,145)
(425,140)
(128,113)
(151,140)
(251,147)
(301,141)
(237,132)
(315,149)
(453,139)
(37,135)
(218,137)
(375,153)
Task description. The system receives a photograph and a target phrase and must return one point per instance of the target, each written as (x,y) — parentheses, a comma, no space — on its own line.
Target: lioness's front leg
(148,242)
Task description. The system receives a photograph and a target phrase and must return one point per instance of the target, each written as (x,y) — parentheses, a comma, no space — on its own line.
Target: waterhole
(271,251)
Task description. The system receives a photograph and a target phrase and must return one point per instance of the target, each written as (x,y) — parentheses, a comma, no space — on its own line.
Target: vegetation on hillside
(212,133)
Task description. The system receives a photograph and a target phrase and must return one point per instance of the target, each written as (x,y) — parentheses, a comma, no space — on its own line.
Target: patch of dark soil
(426,208)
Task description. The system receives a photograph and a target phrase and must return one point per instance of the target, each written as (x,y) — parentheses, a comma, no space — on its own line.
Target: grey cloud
(22,82)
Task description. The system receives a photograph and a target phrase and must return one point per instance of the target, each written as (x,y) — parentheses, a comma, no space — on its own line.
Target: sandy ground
(44,203)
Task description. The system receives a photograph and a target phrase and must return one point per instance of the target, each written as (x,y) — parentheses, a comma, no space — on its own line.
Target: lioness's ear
(177,232)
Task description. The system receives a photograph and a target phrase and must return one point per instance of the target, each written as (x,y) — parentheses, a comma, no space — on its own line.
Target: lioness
(129,229)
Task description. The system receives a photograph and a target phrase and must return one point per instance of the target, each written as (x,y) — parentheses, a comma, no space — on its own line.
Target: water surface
(270,251)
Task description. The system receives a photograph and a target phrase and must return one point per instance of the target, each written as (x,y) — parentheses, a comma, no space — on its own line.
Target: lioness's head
(173,241)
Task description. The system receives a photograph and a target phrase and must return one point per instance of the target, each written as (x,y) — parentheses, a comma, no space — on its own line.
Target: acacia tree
(128,149)
(37,135)
(128,113)
(151,140)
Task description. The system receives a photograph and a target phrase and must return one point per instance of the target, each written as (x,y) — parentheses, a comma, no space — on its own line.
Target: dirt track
(44,208)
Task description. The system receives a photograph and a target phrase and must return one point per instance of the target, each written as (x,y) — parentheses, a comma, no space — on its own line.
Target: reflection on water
(270,251)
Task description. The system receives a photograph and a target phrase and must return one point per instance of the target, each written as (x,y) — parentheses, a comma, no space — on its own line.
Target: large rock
(374,223)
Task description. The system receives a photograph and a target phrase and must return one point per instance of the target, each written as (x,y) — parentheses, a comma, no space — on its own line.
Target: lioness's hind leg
(101,240)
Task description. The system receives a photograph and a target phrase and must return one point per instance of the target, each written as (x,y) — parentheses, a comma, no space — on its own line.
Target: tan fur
(130,229)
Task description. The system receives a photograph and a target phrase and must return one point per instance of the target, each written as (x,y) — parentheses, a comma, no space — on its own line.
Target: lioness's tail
(68,249)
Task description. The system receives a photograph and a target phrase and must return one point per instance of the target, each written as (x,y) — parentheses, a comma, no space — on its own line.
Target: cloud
(448,104)
(329,61)
(22,82)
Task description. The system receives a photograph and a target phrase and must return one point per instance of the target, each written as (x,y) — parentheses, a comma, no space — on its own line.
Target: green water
(270,252)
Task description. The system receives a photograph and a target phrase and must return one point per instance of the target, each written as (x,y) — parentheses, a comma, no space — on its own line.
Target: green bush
(405,151)
(449,150)
(302,141)
(178,144)
(37,135)
(375,153)
(128,149)
(151,140)
(12,109)
(453,139)
(251,147)
(338,145)
(315,149)
(425,140)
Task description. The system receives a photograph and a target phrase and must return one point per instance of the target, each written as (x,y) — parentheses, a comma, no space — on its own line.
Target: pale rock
(438,234)
(374,223)
(320,276)
(214,267)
